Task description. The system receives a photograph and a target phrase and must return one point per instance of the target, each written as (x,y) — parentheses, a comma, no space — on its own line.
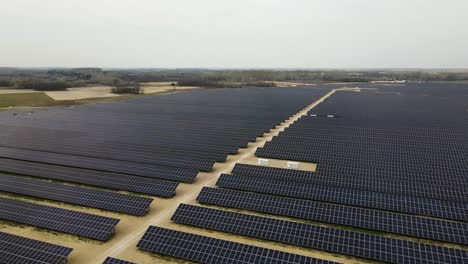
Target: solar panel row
(331,135)
(333,171)
(327,134)
(402,151)
(316,154)
(339,241)
(361,125)
(124,167)
(327,151)
(126,146)
(355,180)
(211,250)
(58,219)
(91,177)
(110,260)
(410,141)
(376,200)
(137,147)
(16,249)
(193,135)
(168,159)
(112,201)
(384,221)
(128,154)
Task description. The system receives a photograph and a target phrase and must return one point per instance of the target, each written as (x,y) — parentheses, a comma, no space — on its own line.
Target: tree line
(61,79)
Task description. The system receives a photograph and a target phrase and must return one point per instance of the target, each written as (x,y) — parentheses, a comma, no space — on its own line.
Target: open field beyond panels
(317,174)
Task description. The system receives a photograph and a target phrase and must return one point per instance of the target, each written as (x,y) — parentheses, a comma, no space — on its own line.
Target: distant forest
(61,79)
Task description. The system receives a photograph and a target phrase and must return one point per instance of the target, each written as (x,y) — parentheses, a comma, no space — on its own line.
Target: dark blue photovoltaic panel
(16,249)
(124,167)
(58,219)
(211,250)
(118,202)
(387,158)
(312,236)
(385,221)
(407,140)
(110,260)
(384,201)
(169,137)
(91,177)
(362,179)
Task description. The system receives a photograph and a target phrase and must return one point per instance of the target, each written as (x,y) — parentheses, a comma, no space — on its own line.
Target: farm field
(28,100)
(381,176)
(78,93)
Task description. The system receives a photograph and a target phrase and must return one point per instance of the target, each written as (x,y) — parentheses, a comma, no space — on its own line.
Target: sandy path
(125,246)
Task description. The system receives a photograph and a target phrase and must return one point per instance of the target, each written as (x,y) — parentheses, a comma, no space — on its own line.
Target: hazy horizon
(245,34)
(235,69)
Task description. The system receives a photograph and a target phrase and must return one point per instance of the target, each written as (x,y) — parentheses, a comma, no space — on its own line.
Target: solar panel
(168,159)
(349,178)
(211,250)
(118,202)
(124,167)
(58,219)
(91,177)
(384,201)
(169,138)
(16,249)
(110,260)
(412,144)
(385,221)
(312,236)
(365,157)
(334,172)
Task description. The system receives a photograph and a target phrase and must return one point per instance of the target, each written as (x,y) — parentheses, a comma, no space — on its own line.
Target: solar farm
(356,173)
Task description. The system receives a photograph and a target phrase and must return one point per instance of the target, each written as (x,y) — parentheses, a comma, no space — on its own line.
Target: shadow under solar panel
(109,180)
(16,249)
(312,236)
(385,221)
(211,250)
(112,201)
(110,260)
(58,219)
(377,200)
(124,167)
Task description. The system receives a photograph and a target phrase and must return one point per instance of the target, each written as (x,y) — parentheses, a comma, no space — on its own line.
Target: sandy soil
(159,87)
(131,228)
(15,91)
(292,84)
(282,164)
(338,83)
(105,91)
(154,84)
(82,93)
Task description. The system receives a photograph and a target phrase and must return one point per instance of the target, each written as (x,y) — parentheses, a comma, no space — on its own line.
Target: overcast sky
(235,33)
